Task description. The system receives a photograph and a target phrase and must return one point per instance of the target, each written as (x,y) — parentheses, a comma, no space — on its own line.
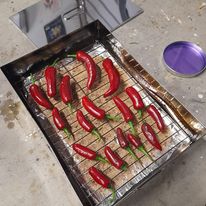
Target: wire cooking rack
(173,138)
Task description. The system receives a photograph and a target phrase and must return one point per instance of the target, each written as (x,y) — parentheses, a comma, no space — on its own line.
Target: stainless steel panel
(49,20)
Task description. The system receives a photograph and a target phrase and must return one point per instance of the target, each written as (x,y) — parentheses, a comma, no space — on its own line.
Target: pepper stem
(143,150)
(114,118)
(100,158)
(70,106)
(67,133)
(71,55)
(32,78)
(113,194)
(124,167)
(132,128)
(55,61)
(132,153)
(96,133)
(140,113)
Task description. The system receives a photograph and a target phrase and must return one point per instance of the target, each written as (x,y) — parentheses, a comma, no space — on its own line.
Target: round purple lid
(184,58)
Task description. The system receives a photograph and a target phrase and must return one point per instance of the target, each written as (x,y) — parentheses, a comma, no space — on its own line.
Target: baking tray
(182,128)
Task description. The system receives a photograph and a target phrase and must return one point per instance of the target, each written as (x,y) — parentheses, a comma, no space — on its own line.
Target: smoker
(182,128)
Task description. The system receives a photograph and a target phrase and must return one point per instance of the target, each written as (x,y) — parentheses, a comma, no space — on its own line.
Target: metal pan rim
(172,70)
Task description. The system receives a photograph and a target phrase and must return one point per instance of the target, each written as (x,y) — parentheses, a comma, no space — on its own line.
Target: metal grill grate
(182,127)
(79,165)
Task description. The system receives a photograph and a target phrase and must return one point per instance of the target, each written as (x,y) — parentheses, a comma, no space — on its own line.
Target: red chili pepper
(86,125)
(121,139)
(154,113)
(65,91)
(113,75)
(38,97)
(94,110)
(136,142)
(50,76)
(90,66)
(124,143)
(59,122)
(126,112)
(114,159)
(102,180)
(151,136)
(87,153)
(136,99)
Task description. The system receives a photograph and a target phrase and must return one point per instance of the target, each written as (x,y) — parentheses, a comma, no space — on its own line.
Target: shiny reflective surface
(49,20)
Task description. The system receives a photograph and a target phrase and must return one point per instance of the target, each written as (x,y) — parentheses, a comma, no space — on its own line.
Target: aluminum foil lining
(175,140)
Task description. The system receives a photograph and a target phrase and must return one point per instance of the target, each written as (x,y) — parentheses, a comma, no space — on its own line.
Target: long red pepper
(94,110)
(113,75)
(102,180)
(59,122)
(124,143)
(90,66)
(50,76)
(87,153)
(136,99)
(126,112)
(136,142)
(154,113)
(86,125)
(151,136)
(65,91)
(114,159)
(38,96)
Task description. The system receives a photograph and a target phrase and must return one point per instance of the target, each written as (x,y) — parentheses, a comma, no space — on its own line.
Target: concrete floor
(183,181)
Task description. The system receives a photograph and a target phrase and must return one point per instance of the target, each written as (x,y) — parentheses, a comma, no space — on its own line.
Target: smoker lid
(47,21)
